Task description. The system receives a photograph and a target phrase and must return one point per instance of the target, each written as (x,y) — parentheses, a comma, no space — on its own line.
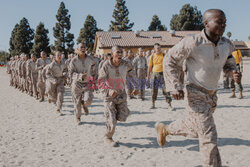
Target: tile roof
(144,39)
(241,45)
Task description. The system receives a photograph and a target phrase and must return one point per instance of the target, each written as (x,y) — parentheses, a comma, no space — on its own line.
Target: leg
(122,111)
(110,115)
(77,100)
(60,95)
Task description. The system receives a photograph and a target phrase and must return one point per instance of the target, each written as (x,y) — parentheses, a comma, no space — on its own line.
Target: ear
(205,24)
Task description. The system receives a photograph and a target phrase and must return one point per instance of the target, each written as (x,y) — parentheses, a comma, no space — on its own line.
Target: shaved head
(210,13)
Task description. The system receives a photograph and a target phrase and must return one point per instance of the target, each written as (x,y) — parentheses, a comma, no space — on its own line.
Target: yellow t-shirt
(157,62)
(237,56)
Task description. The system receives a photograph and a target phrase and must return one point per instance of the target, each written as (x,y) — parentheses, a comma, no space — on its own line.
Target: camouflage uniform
(131,78)
(9,71)
(40,64)
(55,79)
(204,62)
(140,65)
(77,68)
(19,71)
(33,74)
(24,76)
(114,78)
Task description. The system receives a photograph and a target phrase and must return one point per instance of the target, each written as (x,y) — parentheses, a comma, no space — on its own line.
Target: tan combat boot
(110,141)
(78,121)
(241,95)
(153,105)
(233,95)
(161,133)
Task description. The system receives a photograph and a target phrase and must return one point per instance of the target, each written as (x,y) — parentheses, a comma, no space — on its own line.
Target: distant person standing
(141,67)
(156,78)
(55,80)
(131,80)
(239,64)
(40,64)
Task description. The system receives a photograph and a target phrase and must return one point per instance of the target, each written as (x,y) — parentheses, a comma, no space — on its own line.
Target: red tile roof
(144,39)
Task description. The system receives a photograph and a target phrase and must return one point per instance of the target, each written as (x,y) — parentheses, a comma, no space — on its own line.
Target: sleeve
(29,69)
(131,73)
(38,65)
(135,63)
(103,76)
(173,64)
(73,72)
(49,74)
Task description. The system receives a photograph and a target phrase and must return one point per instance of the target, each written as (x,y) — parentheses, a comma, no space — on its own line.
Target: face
(216,23)
(140,52)
(33,58)
(157,49)
(43,55)
(117,54)
(130,54)
(58,56)
(82,48)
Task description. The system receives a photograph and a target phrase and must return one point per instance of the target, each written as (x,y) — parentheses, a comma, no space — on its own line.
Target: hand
(237,76)
(113,93)
(84,75)
(178,95)
(149,77)
(135,92)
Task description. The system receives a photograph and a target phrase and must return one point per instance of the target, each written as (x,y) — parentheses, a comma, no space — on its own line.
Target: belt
(210,92)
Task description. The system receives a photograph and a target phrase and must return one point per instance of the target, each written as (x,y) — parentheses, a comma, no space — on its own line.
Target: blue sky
(141,12)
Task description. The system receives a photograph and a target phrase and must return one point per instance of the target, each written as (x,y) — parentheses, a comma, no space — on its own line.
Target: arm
(173,72)
(73,72)
(49,75)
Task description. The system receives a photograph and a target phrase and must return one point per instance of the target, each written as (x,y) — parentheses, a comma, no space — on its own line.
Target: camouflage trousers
(157,82)
(141,81)
(55,93)
(78,95)
(41,88)
(34,84)
(233,83)
(116,109)
(200,124)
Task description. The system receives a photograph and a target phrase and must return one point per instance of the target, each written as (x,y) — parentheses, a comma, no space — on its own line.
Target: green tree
(41,40)
(61,31)
(87,33)
(229,34)
(156,25)
(189,18)
(23,37)
(12,48)
(4,56)
(120,15)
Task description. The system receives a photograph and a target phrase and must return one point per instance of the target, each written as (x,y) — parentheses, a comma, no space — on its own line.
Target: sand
(33,135)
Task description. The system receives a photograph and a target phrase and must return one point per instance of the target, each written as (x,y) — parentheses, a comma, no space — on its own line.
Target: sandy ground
(33,135)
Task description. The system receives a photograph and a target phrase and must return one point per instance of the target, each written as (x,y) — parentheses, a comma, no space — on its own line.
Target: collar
(207,41)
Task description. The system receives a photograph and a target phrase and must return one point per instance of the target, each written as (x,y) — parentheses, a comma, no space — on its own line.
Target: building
(130,40)
(244,47)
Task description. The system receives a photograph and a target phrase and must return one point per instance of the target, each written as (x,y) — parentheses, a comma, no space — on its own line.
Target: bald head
(210,13)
